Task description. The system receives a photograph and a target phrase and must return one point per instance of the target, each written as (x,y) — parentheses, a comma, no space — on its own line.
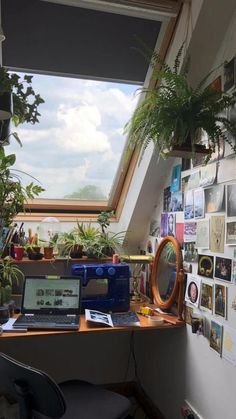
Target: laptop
(50,303)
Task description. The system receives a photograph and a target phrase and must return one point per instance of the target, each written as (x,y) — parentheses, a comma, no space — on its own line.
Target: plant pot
(76,251)
(48,252)
(185,151)
(19,252)
(34,253)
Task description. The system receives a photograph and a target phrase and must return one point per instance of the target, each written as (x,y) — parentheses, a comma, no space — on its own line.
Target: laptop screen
(51,295)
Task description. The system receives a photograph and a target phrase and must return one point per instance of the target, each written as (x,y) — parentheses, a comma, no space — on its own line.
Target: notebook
(50,303)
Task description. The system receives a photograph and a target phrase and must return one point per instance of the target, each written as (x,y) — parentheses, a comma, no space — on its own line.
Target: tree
(88,192)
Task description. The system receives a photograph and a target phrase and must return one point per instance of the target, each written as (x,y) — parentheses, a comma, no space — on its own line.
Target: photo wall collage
(204,222)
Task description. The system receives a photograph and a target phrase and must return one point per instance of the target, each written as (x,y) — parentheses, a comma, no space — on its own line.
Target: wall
(180,365)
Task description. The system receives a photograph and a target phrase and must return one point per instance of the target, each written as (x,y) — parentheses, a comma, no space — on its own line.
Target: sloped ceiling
(56,38)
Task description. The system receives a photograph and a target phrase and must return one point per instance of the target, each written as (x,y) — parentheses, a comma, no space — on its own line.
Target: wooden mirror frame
(178,290)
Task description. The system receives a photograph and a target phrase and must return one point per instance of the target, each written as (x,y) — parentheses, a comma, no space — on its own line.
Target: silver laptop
(50,303)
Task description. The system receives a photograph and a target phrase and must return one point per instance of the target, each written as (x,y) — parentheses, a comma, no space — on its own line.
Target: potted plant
(109,243)
(89,237)
(33,251)
(73,246)
(9,274)
(174,115)
(25,104)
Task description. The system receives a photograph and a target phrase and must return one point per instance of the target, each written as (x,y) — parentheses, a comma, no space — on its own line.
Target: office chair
(40,397)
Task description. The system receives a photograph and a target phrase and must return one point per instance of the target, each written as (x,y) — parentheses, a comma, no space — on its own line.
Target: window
(75,149)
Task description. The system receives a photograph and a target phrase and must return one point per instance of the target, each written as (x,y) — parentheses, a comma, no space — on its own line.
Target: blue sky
(79,139)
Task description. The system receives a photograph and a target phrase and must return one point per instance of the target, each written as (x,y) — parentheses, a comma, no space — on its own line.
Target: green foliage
(174,113)
(9,273)
(88,192)
(12,193)
(104,219)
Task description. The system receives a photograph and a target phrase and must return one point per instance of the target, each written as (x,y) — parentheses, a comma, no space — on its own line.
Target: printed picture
(220,300)
(202,236)
(216,335)
(208,175)
(229,344)
(171,224)
(206,298)
(231,233)
(232,114)
(188,312)
(176,201)
(206,266)
(166,199)
(223,268)
(229,75)
(217,234)
(188,205)
(231,200)
(190,252)
(164,224)
(219,152)
(234,272)
(184,183)
(154,228)
(192,293)
(199,203)
(190,229)
(175,184)
(179,233)
(214,199)
(194,180)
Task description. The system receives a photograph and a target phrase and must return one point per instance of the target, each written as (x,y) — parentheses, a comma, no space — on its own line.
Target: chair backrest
(33,389)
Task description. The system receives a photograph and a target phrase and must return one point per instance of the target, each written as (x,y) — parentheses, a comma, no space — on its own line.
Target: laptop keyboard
(44,318)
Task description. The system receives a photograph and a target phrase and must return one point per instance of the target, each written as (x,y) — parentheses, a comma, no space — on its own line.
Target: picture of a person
(193,292)
(171,225)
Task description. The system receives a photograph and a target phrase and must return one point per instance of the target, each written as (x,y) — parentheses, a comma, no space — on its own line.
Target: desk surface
(171,322)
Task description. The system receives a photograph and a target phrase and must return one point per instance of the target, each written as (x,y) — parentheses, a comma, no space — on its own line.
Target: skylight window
(75,150)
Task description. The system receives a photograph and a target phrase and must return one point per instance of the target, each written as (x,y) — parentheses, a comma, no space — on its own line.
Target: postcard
(176,203)
(184,183)
(231,233)
(154,228)
(229,344)
(190,252)
(193,287)
(199,203)
(171,224)
(179,233)
(175,184)
(214,199)
(205,265)
(220,300)
(217,234)
(229,74)
(219,152)
(164,224)
(233,279)
(166,199)
(231,200)
(190,231)
(194,180)
(188,205)
(206,299)
(216,336)
(188,313)
(208,175)
(223,268)
(202,236)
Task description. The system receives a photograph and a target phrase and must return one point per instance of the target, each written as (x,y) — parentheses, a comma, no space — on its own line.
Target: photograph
(175,184)
(208,175)
(229,74)
(190,252)
(171,224)
(194,180)
(223,268)
(202,235)
(154,228)
(188,205)
(233,279)
(231,200)
(179,233)
(166,199)
(188,313)
(214,199)
(219,152)
(184,183)
(206,298)
(217,234)
(190,229)
(231,233)
(220,300)
(216,336)
(206,265)
(199,203)
(176,201)
(192,293)
(164,224)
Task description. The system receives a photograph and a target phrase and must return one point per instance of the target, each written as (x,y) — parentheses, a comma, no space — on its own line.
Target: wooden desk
(171,322)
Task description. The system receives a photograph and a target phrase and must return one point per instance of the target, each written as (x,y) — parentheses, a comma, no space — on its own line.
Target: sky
(79,139)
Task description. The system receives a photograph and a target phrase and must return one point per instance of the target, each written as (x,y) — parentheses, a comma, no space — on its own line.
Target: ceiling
(69,39)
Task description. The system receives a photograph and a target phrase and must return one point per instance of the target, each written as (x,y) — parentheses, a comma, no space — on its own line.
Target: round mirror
(167,275)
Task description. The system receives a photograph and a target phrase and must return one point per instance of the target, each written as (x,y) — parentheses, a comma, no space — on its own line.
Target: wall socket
(188,412)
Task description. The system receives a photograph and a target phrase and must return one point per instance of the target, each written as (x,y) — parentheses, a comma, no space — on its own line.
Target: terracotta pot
(48,252)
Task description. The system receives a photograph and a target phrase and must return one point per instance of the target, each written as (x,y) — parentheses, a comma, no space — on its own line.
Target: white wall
(179,365)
